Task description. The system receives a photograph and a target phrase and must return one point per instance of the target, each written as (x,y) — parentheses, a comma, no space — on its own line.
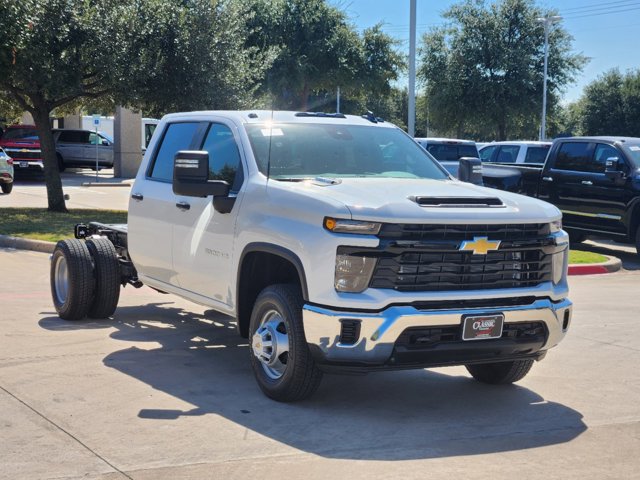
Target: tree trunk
(304,101)
(53,182)
(502,131)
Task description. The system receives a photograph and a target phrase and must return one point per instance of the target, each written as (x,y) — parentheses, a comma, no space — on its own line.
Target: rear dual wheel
(85,278)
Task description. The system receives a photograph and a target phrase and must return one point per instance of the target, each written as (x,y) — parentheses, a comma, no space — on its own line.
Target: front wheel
(280,357)
(638,240)
(500,373)
(6,187)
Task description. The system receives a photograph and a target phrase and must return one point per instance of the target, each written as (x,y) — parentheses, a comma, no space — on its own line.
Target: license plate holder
(24,164)
(482,327)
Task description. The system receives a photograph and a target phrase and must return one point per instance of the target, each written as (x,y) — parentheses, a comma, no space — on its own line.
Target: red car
(21,142)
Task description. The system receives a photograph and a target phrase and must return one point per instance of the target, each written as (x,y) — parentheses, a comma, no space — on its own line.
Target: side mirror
(470,170)
(105,143)
(191,176)
(613,169)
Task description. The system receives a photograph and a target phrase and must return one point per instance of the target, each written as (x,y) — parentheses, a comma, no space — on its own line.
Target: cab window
(574,156)
(177,136)
(224,157)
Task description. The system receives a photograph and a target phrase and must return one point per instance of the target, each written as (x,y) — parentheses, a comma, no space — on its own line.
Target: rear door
(69,146)
(203,237)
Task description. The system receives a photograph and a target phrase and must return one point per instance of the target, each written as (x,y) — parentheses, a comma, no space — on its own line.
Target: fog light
(353,273)
(559,266)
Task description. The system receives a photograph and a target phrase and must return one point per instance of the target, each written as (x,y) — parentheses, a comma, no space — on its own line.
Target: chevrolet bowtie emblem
(480,245)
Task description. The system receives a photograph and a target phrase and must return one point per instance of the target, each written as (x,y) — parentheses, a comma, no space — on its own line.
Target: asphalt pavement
(29,190)
(164,390)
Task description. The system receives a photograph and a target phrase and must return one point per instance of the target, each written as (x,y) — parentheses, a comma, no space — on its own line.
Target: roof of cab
(262,116)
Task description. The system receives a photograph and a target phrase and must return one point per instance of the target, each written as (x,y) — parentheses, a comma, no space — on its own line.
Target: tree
(483,70)
(610,105)
(155,54)
(316,50)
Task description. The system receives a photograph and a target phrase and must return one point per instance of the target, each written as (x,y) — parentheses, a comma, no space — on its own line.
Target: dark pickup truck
(594,181)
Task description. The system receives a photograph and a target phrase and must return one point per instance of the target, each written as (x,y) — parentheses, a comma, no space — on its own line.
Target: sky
(607,31)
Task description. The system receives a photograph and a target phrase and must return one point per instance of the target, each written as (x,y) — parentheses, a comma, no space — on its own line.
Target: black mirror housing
(191,176)
(470,170)
(612,165)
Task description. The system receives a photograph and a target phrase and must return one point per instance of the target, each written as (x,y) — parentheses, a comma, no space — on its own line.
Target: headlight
(559,265)
(337,225)
(555,226)
(353,273)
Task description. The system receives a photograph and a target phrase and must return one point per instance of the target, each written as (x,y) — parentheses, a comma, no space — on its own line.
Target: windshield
(305,150)
(633,150)
(452,152)
(20,134)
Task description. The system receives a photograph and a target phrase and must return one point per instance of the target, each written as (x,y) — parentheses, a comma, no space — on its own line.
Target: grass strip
(41,224)
(577,257)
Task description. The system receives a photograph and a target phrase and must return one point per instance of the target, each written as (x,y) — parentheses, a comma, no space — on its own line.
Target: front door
(203,237)
(152,208)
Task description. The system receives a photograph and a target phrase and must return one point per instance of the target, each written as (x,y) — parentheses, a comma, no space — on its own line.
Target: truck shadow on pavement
(382,416)
(625,252)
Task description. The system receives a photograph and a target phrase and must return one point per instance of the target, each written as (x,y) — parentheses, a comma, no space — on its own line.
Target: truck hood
(395,200)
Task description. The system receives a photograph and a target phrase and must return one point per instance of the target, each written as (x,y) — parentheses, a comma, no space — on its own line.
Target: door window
(575,156)
(178,136)
(536,154)
(487,152)
(602,153)
(73,136)
(224,157)
(508,154)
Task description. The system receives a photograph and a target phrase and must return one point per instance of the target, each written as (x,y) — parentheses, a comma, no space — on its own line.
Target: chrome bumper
(379,331)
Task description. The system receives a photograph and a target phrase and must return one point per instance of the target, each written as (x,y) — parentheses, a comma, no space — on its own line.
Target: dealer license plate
(482,327)
(24,164)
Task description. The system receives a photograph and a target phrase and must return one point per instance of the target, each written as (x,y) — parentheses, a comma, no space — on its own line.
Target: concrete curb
(105,184)
(610,266)
(26,244)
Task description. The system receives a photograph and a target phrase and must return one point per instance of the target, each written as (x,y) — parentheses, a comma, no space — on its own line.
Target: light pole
(411,121)
(547,22)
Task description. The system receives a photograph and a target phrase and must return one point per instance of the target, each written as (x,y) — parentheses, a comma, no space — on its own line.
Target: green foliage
(610,105)
(316,50)
(483,70)
(155,55)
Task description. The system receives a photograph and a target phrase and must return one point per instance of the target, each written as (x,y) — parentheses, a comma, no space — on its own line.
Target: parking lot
(165,390)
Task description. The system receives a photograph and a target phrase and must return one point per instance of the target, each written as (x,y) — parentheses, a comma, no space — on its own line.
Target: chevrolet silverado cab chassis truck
(336,242)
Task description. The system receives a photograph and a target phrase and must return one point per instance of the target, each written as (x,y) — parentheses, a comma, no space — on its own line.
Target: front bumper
(376,344)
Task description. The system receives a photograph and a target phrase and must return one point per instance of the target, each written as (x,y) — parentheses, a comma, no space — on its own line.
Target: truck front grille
(444,271)
(21,154)
(428,232)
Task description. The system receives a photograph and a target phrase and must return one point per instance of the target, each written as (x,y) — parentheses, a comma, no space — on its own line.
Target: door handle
(137,196)
(587,182)
(547,179)
(183,205)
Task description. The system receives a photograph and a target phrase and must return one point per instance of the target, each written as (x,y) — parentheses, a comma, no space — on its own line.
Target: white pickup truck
(337,243)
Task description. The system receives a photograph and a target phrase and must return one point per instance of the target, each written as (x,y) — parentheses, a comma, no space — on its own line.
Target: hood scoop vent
(326,181)
(458,202)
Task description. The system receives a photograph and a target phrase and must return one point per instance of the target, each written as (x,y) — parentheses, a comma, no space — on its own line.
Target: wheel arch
(284,266)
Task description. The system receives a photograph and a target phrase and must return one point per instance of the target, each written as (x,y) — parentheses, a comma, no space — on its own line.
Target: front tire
(576,237)
(72,280)
(6,188)
(500,373)
(280,357)
(107,275)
